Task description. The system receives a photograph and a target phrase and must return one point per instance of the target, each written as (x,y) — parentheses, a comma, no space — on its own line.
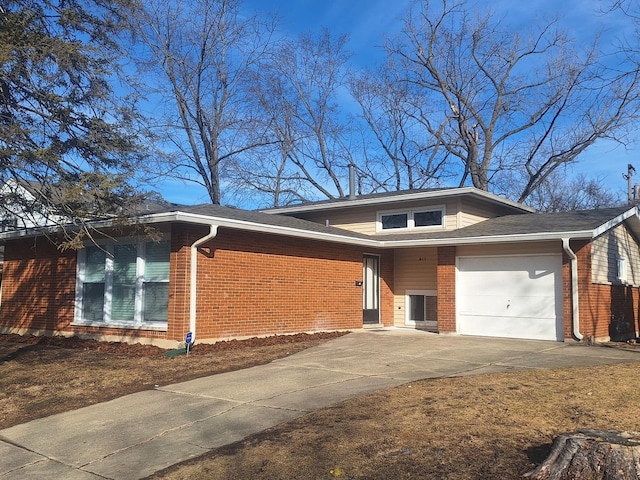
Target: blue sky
(368,22)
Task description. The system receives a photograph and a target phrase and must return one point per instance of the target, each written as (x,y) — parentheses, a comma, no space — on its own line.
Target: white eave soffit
(631,214)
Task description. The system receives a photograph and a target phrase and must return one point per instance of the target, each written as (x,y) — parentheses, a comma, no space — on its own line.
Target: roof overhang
(488,239)
(333,237)
(631,214)
(198,219)
(405,197)
(191,218)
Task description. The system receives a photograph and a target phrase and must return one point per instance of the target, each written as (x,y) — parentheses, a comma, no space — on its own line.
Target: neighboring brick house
(448,260)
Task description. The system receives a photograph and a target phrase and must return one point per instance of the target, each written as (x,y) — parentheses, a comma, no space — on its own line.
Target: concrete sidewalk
(134,436)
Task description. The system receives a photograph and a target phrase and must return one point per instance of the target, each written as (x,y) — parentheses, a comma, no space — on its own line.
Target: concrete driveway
(137,435)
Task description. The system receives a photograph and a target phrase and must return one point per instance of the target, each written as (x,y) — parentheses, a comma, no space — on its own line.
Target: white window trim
(622,267)
(410,219)
(138,322)
(407,307)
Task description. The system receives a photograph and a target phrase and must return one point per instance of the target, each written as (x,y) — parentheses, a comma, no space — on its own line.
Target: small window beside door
(421,308)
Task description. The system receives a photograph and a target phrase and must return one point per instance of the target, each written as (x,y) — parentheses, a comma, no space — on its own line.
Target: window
(93,285)
(416,308)
(622,269)
(427,219)
(398,220)
(421,307)
(124,284)
(412,219)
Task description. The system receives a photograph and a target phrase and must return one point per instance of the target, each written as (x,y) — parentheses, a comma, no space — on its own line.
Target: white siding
(605,252)
(472,212)
(361,220)
(458,213)
(414,269)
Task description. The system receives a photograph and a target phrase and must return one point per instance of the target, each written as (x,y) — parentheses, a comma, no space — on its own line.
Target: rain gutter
(575,317)
(193,285)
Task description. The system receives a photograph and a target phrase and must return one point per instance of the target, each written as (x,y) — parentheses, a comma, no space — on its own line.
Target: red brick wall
(182,237)
(38,293)
(249,284)
(259,284)
(446,278)
(38,286)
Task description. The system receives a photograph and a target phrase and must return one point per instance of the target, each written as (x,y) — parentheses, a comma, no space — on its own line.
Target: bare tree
(561,193)
(405,158)
(206,52)
(300,92)
(500,102)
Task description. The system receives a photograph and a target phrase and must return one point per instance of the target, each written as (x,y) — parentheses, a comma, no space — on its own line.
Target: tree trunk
(591,455)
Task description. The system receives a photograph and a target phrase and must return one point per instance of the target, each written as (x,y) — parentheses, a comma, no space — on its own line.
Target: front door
(371,289)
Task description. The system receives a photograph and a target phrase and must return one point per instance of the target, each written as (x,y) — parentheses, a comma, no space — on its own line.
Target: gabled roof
(396,198)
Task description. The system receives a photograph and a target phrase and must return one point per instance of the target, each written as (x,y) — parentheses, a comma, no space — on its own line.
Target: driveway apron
(136,435)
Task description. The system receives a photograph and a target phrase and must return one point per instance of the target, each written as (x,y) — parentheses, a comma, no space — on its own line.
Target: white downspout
(193,285)
(574,288)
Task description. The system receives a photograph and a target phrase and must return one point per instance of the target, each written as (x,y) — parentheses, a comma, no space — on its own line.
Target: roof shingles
(523,224)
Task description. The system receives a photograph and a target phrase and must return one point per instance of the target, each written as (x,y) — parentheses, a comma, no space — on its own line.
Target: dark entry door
(371,289)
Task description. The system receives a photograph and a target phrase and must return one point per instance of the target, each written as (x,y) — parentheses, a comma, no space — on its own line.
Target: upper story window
(412,219)
(394,220)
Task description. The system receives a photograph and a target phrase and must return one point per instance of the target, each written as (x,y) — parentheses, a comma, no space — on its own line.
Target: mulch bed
(13,342)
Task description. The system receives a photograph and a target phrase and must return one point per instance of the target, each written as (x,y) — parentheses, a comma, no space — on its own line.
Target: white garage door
(510,296)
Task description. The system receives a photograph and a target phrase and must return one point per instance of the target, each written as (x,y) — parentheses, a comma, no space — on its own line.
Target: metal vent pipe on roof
(352,181)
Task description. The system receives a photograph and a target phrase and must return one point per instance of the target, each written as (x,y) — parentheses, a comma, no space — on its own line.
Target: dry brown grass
(483,427)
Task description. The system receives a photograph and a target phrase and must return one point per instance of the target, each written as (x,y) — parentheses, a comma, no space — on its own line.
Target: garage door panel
(494,284)
(515,306)
(509,327)
(510,296)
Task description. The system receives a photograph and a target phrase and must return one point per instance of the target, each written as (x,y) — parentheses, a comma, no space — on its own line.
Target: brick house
(448,260)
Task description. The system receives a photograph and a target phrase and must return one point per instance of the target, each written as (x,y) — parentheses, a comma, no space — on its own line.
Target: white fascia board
(259,227)
(531,237)
(211,220)
(28,232)
(278,230)
(633,211)
(437,194)
(329,237)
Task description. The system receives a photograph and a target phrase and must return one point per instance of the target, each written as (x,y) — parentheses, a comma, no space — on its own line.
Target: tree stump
(591,455)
